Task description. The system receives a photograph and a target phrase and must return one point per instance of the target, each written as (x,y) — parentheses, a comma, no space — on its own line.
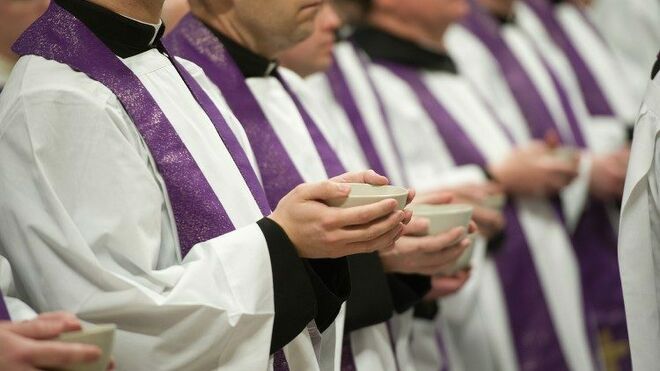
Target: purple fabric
(534,335)
(4,312)
(591,90)
(331,162)
(594,239)
(192,40)
(347,359)
(345,98)
(61,37)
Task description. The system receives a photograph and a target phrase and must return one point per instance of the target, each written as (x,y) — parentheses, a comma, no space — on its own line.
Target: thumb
(416,227)
(552,138)
(326,190)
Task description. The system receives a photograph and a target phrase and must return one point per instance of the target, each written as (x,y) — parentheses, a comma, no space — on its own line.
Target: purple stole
(344,96)
(534,335)
(198,213)
(4,312)
(594,239)
(192,40)
(592,92)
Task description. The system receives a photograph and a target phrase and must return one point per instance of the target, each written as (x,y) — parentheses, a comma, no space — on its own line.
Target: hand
(608,175)
(490,221)
(320,231)
(442,286)
(426,255)
(29,346)
(532,171)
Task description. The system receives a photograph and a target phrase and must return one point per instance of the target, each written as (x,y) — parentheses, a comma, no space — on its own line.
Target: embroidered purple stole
(343,95)
(594,239)
(345,98)
(198,214)
(593,94)
(4,312)
(192,40)
(534,335)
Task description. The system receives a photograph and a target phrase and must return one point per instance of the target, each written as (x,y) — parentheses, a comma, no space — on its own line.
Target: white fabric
(18,310)
(286,121)
(346,141)
(537,217)
(632,29)
(88,226)
(638,236)
(600,60)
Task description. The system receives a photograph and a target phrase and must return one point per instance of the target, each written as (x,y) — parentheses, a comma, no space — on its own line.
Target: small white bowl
(102,336)
(365,194)
(495,202)
(443,218)
(565,153)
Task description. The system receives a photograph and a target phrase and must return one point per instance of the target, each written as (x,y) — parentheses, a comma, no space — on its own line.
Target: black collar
(124,36)
(382,45)
(250,63)
(504,20)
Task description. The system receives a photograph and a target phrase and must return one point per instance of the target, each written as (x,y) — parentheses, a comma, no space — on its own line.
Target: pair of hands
(608,174)
(320,231)
(531,170)
(30,346)
(430,255)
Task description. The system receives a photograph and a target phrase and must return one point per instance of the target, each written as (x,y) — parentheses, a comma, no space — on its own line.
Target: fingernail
(343,187)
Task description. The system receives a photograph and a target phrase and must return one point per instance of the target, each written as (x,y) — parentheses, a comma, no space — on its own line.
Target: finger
(373,230)
(58,354)
(551,138)
(435,198)
(69,320)
(433,244)
(385,241)
(360,215)
(472,227)
(417,227)
(326,190)
(411,195)
(407,216)
(369,177)
(38,329)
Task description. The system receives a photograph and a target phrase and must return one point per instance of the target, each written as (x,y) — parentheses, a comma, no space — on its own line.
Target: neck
(227,25)
(502,8)
(413,31)
(148,11)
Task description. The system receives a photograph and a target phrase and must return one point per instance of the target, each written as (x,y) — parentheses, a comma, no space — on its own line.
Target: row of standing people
(470,109)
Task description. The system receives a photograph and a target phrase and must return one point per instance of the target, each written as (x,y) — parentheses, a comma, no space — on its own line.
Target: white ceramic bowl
(565,153)
(443,218)
(495,202)
(365,194)
(103,336)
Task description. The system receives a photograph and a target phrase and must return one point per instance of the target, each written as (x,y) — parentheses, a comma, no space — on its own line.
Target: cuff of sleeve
(295,302)
(408,290)
(332,286)
(370,302)
(426,310)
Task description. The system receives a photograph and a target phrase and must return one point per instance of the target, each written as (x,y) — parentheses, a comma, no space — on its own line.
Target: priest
(133,197)
(288,132)
(362,139)
(638,233)
(513,74)
(454,127)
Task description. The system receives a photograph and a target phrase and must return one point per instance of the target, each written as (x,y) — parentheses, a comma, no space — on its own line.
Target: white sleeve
(85,222)
(18,310)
